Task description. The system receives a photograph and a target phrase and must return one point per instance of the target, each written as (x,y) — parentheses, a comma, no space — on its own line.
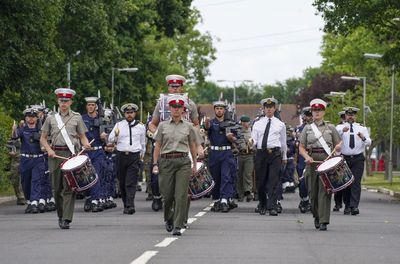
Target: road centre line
(200,214)
(208,208)
(145,257)
(191,220)
(166,242)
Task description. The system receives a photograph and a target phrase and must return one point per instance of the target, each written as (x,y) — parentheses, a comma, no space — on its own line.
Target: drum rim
(63,167)
(319,169)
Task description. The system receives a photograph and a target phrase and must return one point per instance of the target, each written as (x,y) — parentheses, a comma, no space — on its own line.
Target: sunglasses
(63,100)
(130,112)
(176,106)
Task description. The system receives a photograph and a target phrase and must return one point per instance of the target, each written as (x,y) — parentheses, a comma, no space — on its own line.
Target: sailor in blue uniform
(221,162)
(32,165)
(304,204)
(109,170)
(96,153)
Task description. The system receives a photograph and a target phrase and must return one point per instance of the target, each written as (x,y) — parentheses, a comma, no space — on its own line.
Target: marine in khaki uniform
(75,131)
(246,163)
(15,178)
(174,139)
(313,152)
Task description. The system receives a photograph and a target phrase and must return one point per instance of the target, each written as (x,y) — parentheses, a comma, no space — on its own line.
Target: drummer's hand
(338,148)
(87,146)
(309,160)
(51,153)
(194,167)
(345,129)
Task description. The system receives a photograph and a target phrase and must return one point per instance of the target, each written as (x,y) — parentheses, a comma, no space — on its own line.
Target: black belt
(354,156)
(269,150)
(59,148)
(316,150)
(127,153)
(173,155)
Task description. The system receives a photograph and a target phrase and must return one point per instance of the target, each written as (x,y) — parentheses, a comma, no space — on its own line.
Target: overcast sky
(261,40)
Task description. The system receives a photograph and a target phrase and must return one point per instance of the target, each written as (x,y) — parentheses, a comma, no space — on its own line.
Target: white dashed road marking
(146,256)
(200,214)
(191,220)
(166,242)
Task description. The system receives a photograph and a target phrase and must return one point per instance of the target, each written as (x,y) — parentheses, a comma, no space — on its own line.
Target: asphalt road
(240,236)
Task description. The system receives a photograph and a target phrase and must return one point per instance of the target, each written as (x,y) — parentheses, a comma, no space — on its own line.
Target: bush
(5,134)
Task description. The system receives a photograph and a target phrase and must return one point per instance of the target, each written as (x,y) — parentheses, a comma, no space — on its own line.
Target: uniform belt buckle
(126,152)
(269,151)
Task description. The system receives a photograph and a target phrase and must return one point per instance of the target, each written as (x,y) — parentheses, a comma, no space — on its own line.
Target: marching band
(101,155)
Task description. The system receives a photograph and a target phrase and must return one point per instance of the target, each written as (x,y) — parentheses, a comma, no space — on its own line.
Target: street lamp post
(364,79)
(69,69)
(112,79)
(390,165)
(234,88)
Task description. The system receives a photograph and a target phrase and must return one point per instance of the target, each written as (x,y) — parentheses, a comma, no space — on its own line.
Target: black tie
(130,132)
(266,132)
(352,145)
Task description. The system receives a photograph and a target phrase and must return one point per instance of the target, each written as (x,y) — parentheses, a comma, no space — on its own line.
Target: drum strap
(64,133)
(320,138)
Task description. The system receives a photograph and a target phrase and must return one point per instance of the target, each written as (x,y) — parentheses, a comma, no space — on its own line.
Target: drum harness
(321,139)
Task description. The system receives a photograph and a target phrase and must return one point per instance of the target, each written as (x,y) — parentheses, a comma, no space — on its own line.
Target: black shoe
(224,207)
(185,225)
(156,205)
(316,223)
(273,212)
(278,207)
(129,210)
(249,197)
(347,211)
(28,209)
(60,222)
(336,208)
(88,205)
(65,224)
(42,208)
(169,225)
(149,197)
(96,208)
(304,206)
(240,199)
(50,206)
(113,204)
(323,227)
(34,209)
(138,188)
(176,231)
(21,201)
(355,211)
(232,204)
(262,210)
(216,207)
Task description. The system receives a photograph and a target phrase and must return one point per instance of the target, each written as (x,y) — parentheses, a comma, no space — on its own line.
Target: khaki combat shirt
(73,124)
(328,131)
(175,137)
(192,110)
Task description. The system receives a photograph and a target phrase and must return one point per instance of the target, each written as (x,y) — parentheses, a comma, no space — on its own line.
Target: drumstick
(330,155)
(80,152)
(60,157)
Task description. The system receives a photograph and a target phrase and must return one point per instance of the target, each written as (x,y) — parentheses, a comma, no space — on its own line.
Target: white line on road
(146,256)
(200,214)
(191,220)
(183,230)
(208,208)
(166,242)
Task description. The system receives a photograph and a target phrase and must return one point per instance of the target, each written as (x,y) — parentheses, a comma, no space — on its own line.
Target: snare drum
(335,174)
(201,183)
(79,173)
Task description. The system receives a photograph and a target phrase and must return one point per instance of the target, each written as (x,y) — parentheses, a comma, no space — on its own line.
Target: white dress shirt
(123,139)
(359,145)
(276,135)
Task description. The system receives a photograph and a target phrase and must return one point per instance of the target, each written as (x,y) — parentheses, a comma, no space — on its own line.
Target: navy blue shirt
(29,140)
(217,135)
(93,127)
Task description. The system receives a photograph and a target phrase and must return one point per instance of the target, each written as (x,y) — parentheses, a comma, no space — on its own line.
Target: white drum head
(74,162)
(330,163)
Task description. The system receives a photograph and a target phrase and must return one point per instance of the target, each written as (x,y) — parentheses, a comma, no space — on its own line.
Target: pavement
(240,236)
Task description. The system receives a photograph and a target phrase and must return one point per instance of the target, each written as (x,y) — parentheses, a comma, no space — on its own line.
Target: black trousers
(127,174)
(352,194)
(267,169)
